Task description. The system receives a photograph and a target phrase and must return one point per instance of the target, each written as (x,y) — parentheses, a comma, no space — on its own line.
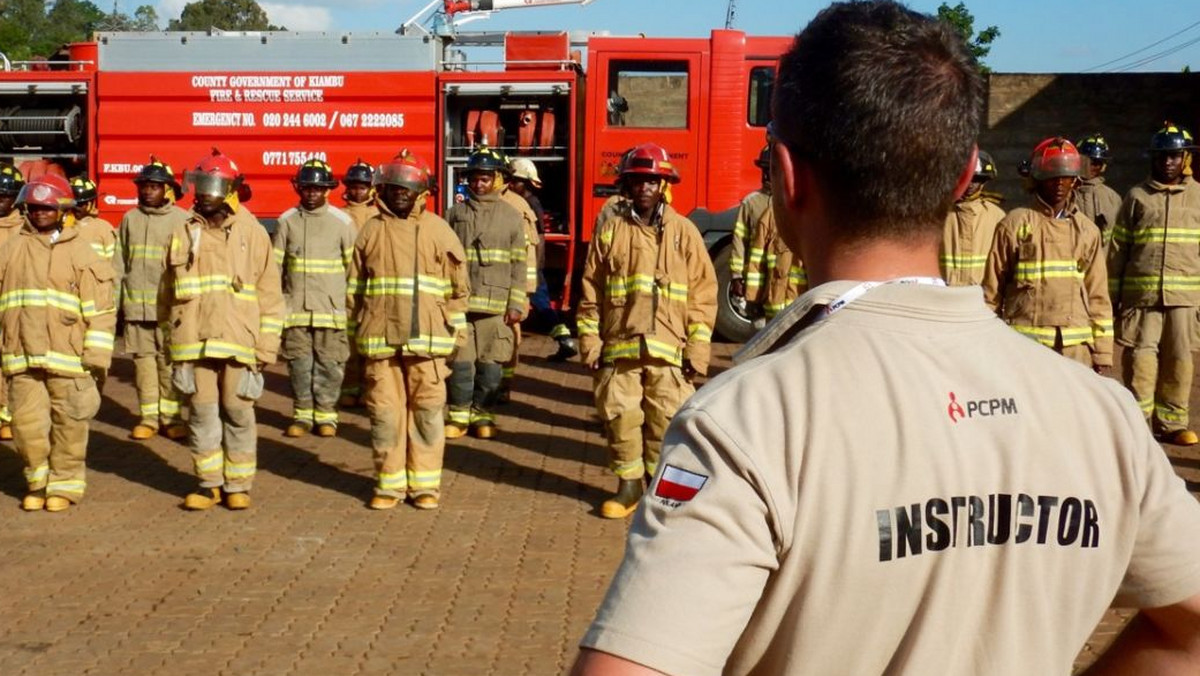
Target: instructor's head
(865,86)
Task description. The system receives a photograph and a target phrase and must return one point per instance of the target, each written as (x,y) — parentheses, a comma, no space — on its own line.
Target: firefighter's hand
(594,365)
(737,287)
(1102,370)
(97,373)
(512,317)
(689,371)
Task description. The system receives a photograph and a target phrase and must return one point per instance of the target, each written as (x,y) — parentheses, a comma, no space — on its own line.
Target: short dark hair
(886,103)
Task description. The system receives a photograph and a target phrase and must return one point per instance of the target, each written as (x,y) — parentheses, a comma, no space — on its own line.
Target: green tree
(144,19)
(227,15)
(32,28)
(961,19)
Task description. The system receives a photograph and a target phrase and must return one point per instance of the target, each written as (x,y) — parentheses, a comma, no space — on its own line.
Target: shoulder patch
(676,485)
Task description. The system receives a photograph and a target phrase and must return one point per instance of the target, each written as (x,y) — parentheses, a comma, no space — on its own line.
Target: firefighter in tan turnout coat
(1045,274)
(359,199)
(222,299)
(1154,276)
(313,245)
(774,273)
(141,249)
(57,319)
(11,220)
(408,301)
(970,227)
(646,312)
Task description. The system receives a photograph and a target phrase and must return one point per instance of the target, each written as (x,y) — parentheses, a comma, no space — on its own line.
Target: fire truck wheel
(733,320)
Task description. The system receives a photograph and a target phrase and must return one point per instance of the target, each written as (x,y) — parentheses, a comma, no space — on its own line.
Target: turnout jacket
(313,249)
(56,304)
(775,275)
(1099,203)
(1154,256)
(967,239)
(141,250)
(529,223)
(493,237)
(361,212)
(221,293)
(408,286)
(11,225)
(648,289)
(749,213)
(1046,276)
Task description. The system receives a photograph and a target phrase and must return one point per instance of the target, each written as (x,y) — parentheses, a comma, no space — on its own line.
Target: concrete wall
(1023,109)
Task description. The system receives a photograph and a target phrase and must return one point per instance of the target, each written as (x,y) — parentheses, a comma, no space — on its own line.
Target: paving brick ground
(502,580)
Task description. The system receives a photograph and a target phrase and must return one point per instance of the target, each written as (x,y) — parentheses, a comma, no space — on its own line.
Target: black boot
(567,348)
(621,505)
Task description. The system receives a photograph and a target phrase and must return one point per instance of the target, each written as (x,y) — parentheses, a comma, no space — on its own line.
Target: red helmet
(48,190)
(405,170)
(216,175)
(649,159)
(1055,158)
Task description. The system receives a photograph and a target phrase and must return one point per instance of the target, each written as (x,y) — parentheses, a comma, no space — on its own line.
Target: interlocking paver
(503,579)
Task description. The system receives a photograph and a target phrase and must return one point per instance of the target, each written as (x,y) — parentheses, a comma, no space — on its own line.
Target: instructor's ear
(967,174)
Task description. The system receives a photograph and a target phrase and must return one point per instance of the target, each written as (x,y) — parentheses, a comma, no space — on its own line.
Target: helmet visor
(43,194)
(1057,166)
(203,183)
(404,175)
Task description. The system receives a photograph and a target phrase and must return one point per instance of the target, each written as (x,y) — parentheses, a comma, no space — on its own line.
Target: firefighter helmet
(359,172)
(764,158)
(84,190)
(985,167)
(215,175)
(1055,158)
(315,172)
(48,190)
(1170,139)
(649,159)
(407,171)
(524,168)
(11,180)
(1095,148)
(157,171)
(486,159)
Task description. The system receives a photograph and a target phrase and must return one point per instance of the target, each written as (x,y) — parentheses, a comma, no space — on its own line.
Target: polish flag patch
(678,484)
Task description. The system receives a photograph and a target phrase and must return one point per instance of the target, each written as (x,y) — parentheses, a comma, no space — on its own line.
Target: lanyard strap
(857,292)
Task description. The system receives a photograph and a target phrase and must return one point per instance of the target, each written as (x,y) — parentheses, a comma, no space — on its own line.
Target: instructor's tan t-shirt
(905,487)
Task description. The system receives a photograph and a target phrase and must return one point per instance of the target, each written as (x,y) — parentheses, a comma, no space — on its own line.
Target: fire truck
(271,100)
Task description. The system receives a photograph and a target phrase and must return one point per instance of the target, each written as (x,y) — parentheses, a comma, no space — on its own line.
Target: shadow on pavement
(137,463)
(488,466)
(282,458)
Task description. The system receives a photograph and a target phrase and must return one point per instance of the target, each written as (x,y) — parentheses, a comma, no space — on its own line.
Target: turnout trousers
(50,416)
(405,397)
(159,404)
(223,433)
(1157,362)
(636,399)
(316,360)
(477,368)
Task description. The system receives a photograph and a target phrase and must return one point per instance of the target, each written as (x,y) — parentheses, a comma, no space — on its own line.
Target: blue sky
(1036,36)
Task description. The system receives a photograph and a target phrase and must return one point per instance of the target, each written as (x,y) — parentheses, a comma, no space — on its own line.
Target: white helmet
(522,167)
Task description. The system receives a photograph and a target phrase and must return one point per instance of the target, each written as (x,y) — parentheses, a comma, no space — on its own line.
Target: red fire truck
(272,100)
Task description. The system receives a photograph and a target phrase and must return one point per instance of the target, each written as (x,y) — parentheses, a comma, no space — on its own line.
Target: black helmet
(84,190)
(486,159)
(1094,148)
(315,172)
(764,158)
(1171,138)
(985,167)
(359,172)
(11,180)
(158,172)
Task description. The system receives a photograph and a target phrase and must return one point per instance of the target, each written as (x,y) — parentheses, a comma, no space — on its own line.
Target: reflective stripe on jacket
(529,225)
(775,275)
(493,237)
(1154,255)
(1046,277)
(313,250)
(408,287)
(56,304)
(648,290)
(749,214)
(141,251)
(221,294)
(967,239)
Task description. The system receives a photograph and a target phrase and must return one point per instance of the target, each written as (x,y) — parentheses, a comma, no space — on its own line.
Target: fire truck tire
(732,324)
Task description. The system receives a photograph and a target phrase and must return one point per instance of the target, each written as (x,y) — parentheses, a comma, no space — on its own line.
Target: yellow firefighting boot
(142,432)
(455,431)
(57,503)
(484,430)
(621,505)
(34,501)
(6,432)
(326,430)
(175,432)
(202,498)
(237,500)
(296,429)
(1181,438)
(384,502)
(426,501)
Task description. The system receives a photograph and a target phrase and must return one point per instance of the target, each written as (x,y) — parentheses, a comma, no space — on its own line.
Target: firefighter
(11,220)
(313,245)
(1154,275)
(749,214)
(970,225)
(57,319)
(492,233)
(359,198)
(774,273)
(530,221)
(96,231)
(222,299)
(1045,272)
(408,302)
(141,247)
(646,312)
(1096,200)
